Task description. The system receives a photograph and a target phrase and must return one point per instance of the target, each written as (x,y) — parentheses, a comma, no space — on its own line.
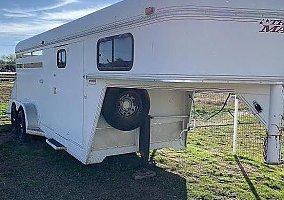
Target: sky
(21,19)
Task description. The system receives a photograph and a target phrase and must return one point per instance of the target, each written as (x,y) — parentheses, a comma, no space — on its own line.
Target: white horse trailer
(89,86)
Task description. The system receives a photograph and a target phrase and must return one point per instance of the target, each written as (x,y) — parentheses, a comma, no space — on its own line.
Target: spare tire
(126,109)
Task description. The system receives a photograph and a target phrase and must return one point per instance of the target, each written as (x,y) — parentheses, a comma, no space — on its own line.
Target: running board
(55,145)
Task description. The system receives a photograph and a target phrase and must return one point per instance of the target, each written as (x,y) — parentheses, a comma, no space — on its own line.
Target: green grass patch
(3,108)
(3,117)
(212,172)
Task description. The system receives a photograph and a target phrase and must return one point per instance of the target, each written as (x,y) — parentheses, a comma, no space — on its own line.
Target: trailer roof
(133,11)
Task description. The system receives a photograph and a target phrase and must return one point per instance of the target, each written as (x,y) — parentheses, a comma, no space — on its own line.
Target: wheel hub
(127,105)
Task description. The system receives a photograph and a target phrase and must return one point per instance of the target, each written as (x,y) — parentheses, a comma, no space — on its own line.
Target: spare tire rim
(127,105)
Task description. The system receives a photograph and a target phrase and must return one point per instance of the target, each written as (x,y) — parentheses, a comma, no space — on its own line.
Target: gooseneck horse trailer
(95,85)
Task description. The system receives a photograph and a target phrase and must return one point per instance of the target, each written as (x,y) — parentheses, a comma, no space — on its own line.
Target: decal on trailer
(272,26)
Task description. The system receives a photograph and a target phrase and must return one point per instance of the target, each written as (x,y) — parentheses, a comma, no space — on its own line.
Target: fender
(31,114)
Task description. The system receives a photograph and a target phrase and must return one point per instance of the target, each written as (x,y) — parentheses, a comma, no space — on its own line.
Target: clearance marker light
(149,11)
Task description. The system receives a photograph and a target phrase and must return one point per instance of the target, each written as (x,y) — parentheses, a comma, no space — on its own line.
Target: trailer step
(55,145)
(35,131)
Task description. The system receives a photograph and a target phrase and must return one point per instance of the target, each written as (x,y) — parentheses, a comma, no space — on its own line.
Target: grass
(3,118)
(213,173)
(205,170)
(35,171)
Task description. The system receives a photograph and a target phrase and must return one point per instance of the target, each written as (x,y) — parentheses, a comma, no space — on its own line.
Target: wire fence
(7,67)
(213,117)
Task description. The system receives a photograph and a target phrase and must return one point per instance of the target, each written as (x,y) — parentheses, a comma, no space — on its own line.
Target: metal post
(144,148)
(144,140)
(273,144)
(235,137)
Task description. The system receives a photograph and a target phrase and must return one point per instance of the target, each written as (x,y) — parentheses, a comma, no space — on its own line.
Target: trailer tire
(14,119)
(21,125)
(126,109)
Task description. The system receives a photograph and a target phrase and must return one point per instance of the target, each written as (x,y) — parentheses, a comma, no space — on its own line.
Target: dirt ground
(34,171)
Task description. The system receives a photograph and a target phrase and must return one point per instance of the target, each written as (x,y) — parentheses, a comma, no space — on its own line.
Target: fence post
(235,137)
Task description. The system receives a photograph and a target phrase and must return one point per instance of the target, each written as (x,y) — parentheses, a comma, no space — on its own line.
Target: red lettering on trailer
(272,26)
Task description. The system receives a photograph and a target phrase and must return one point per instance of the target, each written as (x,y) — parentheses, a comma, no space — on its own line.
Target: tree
(9,59)
(8,63)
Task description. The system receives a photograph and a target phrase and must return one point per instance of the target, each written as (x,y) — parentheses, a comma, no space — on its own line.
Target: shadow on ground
(248,180)
(34,171)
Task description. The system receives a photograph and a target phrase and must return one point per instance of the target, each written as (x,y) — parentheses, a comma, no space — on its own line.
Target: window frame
(112,39)
(61,66)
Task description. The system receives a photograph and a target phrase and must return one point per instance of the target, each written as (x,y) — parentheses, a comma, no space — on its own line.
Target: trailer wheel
(21,125)
(14,118)
(126,109)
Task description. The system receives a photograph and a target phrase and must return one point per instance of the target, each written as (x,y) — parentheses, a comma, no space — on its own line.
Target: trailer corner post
(273,143)
(235,136)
